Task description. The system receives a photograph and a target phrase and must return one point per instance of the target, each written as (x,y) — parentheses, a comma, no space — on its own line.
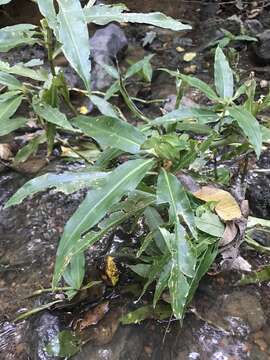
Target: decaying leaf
(5,152)
(93,316)
(229,233)
(226,207)
(111,270)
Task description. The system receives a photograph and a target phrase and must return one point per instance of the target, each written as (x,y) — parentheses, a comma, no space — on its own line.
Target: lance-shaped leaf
(104,14)
(249,125)
(10,81)
(73,34)
(162,282)
(9,107)
(223,75)
(103,106)
(200,85)
(97,202)
(170,190)
(52,115)
(23,70)
(46,7)
(74,273)
(8,125)
(112,132)
(68,182)
(12,36)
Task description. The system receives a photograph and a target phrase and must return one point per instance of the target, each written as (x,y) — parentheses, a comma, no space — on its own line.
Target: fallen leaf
(229,234)
(93,316)
(111,270)
(226,207)
(5,152)
(189,56)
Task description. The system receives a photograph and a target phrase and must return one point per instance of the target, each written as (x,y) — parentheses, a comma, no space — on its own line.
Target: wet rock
(261,49)
(42,331)
(253,26)
(239,313)
(107,44)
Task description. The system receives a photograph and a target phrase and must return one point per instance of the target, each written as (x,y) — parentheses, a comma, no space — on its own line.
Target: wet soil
(229,322)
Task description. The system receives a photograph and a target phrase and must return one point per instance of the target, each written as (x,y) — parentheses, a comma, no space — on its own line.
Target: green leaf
(68,182)
(249,125)
(223,75)
(173,117)
(73,34)
(16,35)
(65,344)
(170,190)
(265,134)
(97,202)
(254,221)
(104,106)
(195,128)
(74,273)
(162,282)
(104,14)
(142,65)
(112,132)
(161,312)
(9,107)
(154,221)
(46,7)
(201,85)
(179,290)
(29,149)
(210,224)
(203,266)
(140,269)
(51,114)
(10,81)
(256,277)
(8,125)
(22,70)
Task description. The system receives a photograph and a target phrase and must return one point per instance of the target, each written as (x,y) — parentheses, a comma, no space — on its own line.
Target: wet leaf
(154,221)
(111,270)
(9,107)
(16,35)
(65,344)
(170,190)
(74,273)
(162,282)
(104,14)
(74,37)
(226,207)
(161,312)
(93,316)
(31,148)
(223,75)
(110,131)
(249,125)
(200,85)
(104,106)
(68,182)
(210,224)
(256,277)
(10,81)
(8,125)
(97,202)
(51,115)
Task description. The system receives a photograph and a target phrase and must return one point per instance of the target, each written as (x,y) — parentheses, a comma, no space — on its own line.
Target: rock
(260,51)
(41,332)
(107,44)
(239,312)
(253,26)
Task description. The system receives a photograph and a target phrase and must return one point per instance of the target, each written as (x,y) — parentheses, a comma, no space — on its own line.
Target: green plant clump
(183,232)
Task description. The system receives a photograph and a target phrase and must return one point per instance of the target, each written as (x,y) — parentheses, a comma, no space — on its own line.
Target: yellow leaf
(189,56)
(226,207)
(111,270)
